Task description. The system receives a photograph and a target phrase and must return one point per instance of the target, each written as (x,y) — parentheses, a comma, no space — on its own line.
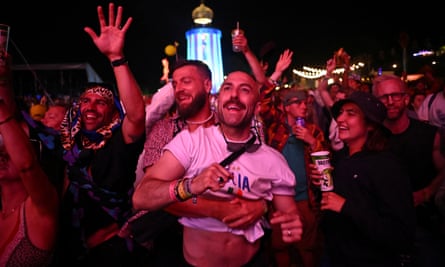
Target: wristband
(171,190)
(119,62)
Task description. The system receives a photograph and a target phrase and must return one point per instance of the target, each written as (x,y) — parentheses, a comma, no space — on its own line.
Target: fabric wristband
(119,62)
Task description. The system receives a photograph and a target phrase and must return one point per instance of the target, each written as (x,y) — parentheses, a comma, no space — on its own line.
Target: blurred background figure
(415,102)
(29,201)
(37,111)
(54,115)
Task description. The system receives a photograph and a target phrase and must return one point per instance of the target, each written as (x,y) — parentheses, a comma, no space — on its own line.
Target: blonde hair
(388,77)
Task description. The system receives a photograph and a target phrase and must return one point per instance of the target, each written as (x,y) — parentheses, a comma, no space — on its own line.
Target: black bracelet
(6,120)
(119,62)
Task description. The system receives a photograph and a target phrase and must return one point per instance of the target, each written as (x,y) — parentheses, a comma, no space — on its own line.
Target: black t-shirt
(99,194)
(415,149)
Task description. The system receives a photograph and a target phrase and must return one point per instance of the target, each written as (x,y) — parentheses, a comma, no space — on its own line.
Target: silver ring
(220,180)
(289,233)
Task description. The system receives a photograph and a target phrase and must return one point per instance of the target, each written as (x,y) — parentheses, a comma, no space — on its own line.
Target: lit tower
(204,43)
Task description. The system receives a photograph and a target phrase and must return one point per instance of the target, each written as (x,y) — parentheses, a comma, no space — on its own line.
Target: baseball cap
(293,93)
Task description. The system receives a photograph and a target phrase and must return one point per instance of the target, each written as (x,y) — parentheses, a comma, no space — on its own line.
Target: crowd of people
(195,179)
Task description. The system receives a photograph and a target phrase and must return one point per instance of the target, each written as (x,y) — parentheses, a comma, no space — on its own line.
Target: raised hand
(330,66)
(110,42)
(284,60)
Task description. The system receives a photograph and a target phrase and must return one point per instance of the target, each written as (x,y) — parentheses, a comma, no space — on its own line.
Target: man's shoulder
(162,123)
(270,151)
(422,125)
(199,133)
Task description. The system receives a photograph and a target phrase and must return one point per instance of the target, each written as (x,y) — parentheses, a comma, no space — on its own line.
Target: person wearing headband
(102,135)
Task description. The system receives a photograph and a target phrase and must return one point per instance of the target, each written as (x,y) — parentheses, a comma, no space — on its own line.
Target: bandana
(71,124)
(102,91)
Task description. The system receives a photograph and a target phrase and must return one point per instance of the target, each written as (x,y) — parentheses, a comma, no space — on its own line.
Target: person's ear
(406,99)
(208,85)
(286,108)
(257,107)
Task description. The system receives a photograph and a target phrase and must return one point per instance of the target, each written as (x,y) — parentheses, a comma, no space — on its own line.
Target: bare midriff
(205,248)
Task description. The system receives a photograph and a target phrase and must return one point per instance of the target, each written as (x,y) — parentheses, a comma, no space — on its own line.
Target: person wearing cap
(102,136)
(295,142)
(368,219)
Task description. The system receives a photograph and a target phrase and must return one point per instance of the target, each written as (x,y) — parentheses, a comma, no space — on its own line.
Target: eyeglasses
(394,97)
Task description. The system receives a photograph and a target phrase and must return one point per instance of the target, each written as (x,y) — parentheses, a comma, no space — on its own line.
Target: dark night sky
(52,31)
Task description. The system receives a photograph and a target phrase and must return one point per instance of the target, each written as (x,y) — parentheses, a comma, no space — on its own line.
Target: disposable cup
(235,32)
(4,37)
(323,162)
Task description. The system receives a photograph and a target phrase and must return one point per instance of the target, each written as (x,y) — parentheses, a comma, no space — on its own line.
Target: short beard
(194,107)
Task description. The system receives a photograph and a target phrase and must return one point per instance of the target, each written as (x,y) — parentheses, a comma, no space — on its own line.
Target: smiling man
(189,168)
(101,146)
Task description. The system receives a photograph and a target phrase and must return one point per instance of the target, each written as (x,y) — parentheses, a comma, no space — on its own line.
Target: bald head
(238,100)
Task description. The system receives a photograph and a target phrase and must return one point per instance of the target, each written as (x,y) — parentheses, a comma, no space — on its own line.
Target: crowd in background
(186,178)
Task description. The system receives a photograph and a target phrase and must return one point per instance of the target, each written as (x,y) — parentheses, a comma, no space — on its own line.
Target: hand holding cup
(236,47)
(4,37)
(4,41)
(322,161)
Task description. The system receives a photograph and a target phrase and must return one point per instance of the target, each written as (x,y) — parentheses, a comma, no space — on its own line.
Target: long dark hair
(377,138)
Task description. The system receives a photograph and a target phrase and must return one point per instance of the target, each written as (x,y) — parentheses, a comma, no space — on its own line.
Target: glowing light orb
(170,50)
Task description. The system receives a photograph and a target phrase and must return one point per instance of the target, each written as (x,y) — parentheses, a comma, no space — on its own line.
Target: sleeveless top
(21,252)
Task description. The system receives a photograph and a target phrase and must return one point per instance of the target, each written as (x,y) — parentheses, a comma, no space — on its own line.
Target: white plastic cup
(4,37)
(235,33)
(323,162)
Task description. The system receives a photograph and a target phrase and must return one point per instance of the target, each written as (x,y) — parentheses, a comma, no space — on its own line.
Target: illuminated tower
(204,43)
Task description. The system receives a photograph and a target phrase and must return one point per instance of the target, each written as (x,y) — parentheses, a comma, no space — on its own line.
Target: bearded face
(191,108)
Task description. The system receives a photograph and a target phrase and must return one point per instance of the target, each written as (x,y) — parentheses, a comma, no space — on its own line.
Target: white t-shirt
(257,175)
(435,114)
(161,102)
